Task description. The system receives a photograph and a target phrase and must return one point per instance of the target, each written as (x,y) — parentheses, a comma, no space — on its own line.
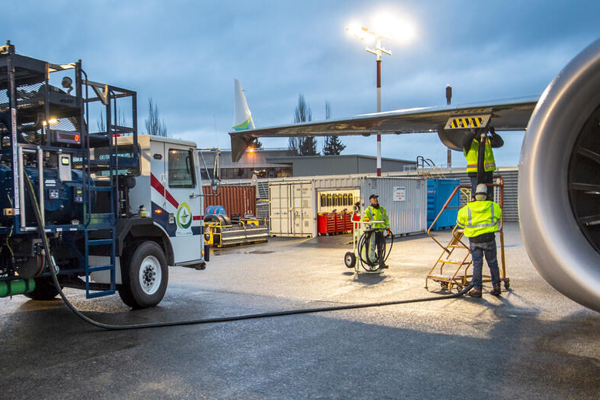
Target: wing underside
(451,123)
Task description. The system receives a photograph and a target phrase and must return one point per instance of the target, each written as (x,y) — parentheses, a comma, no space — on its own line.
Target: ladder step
(101,226)
(457,246)
(99,242)
(438,276)
(101,268)
(102,220)
(453,262)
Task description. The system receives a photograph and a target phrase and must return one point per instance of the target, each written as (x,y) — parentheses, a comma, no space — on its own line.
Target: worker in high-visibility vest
(376,212)
(471,152)
(480,220)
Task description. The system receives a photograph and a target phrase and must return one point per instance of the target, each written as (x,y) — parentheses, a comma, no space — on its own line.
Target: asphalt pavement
(530,343)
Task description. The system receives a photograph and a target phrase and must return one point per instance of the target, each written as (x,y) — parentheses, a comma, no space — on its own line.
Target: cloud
(185,55)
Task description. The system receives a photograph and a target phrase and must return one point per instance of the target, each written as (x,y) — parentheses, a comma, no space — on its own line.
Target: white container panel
(404,199)
(292,209)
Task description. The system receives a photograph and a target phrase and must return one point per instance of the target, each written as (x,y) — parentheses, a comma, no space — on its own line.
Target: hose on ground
(52,267)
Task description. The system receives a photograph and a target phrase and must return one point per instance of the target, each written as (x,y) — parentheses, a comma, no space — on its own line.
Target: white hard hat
(481,189)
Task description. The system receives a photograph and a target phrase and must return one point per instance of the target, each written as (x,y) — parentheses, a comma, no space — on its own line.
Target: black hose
(480,160)
(102,325)
(380,257)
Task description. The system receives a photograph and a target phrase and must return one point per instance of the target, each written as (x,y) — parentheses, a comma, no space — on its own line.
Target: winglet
(242,117)
(242,121)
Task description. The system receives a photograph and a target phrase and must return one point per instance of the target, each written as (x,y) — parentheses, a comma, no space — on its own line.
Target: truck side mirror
(217,167)
(215,179)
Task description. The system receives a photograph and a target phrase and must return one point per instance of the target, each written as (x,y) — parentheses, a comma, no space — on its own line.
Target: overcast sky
(186,55)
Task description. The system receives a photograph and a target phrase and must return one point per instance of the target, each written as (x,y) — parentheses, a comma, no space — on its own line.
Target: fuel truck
(113,208)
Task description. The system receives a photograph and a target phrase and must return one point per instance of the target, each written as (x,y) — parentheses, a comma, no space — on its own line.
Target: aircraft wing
(451,123)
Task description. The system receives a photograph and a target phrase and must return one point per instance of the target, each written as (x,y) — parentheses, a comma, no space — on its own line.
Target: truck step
(92,295)
(99,242)
(100,268)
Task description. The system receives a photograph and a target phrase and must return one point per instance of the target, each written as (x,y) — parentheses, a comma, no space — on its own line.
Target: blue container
(438,192)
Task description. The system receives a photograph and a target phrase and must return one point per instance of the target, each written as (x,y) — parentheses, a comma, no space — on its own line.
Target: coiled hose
(52,267)
(381,256)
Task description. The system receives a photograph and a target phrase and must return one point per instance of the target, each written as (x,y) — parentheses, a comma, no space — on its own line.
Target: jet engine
(559,182)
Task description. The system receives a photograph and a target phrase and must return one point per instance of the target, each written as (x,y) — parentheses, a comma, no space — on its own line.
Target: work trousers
(477,252)
(376,241)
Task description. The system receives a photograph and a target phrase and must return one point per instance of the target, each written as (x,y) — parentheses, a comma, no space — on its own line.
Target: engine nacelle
(559,182)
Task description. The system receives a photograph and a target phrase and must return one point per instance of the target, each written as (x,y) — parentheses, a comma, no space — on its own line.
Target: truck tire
(145,276)
(44,289)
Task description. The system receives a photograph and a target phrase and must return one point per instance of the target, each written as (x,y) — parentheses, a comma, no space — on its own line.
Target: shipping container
(236,199)
(438,192)
(405,199)
(292,209)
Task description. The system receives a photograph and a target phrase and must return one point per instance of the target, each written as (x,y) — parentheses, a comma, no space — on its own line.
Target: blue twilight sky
(186,54)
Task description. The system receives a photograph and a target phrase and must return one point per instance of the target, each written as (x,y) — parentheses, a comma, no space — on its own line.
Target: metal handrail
(431,165)
(445,206)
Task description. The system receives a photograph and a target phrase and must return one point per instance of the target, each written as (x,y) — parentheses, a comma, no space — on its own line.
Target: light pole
(365,34)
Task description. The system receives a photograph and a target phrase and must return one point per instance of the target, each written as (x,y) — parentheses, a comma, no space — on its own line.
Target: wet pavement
(532,342)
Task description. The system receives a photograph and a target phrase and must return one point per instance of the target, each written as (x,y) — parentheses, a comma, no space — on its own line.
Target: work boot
(496,290)
(476,292)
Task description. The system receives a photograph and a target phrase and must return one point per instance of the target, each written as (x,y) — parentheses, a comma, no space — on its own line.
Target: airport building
(280,163)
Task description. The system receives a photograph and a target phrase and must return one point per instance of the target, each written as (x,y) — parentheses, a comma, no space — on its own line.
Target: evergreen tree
(333,146)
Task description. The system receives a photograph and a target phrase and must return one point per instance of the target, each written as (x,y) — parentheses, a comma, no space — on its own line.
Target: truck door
(183,192)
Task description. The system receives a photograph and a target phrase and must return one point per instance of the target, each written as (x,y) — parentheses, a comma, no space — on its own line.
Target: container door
(279,204)
(302,210)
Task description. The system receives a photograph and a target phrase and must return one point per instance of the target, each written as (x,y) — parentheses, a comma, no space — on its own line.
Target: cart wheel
(459,288)
(444,285)
(506,285)
(350,259)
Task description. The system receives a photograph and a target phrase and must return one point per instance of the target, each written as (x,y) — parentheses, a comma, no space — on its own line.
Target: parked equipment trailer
(115,209)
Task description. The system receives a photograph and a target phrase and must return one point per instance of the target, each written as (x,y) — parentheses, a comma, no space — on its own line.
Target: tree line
(307,145)
(298,146)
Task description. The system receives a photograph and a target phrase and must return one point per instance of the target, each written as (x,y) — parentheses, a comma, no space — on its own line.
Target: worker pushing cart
(368,239)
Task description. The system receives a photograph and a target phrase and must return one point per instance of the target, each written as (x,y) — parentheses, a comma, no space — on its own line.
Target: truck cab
(169,188)
(166,205)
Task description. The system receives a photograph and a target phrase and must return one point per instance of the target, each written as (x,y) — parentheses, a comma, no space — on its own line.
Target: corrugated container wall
(438,193)
(404,199)
(511,184)
(237,200)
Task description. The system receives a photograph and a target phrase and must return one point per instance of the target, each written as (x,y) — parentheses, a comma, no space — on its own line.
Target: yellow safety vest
(377,214)
(473,154)
(479,217)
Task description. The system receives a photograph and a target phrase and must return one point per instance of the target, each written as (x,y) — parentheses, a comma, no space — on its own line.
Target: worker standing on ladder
(480,220)
(375,212)
(471,150)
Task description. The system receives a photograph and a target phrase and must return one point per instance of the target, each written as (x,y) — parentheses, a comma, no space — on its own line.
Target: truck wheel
(145,276)
(44,289)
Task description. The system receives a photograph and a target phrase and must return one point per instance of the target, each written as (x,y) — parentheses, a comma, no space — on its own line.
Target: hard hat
(373,196)
(481,189)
